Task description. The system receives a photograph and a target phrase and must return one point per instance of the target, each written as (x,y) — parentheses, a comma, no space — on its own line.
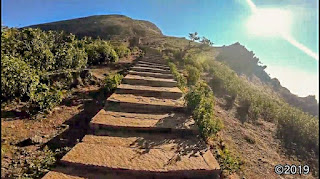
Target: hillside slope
(248,65)
(103,26)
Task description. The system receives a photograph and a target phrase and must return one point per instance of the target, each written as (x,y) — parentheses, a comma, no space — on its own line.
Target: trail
(142,132)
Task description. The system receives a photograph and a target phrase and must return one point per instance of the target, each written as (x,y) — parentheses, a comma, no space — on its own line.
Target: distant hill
(236,55)
(105,26)
(244,62)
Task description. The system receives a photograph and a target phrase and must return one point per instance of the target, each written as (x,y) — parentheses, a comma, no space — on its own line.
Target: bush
(200,100)
(181,80)
(112,81)
(43,98)
(192,60)
(122,51)
(135,50)
(99,52)
(228,162)
(30,57)
(193,75)
(69,57)
(16,78)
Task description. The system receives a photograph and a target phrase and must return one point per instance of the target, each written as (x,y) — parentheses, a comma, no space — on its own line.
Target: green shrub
(200,101)
(16,78)
(192,60)
(228,163)
(29,56)
(112,81)
(69,57)
(181,80)
(37,167)
(204,115)
(43,98)
(194,96)
(135,50)
(122,51)
(193,75)
(99,52)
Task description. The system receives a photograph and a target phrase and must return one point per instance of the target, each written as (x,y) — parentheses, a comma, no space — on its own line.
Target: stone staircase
(143,132)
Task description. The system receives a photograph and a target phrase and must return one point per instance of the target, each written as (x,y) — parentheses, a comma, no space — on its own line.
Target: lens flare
(274,22)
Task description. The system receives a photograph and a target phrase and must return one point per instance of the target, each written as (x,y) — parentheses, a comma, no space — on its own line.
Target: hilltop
(104,26)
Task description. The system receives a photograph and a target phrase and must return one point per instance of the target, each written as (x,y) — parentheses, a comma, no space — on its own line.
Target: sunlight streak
(301,47)
(258,24)
(252,6)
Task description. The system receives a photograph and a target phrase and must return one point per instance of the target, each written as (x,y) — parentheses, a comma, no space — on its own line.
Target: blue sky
(223,22)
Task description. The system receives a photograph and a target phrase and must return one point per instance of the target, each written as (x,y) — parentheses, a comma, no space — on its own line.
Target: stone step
(160,61)
(177,123)
(148,74)
(152,70)
(151,66)
(141,155)
(150,63)
(149,91)
(141,140)
(133,103)
(148,81)
(145,162)
(70,172)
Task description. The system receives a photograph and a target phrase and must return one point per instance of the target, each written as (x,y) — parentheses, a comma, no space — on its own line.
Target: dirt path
(142,132)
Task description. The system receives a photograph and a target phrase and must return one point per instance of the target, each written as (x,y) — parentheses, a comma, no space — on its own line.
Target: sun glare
(269,22)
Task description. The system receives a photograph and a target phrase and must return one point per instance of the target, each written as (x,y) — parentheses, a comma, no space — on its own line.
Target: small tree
(206,41)
(193,37)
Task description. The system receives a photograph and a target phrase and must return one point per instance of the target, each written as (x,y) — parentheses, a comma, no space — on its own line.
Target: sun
(269,22)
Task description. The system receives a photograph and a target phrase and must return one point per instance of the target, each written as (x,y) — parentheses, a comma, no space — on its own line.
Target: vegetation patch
(298,131)
(200,101)
(181,80)
(228,162)
(34,165)
(31,58)
(112,81)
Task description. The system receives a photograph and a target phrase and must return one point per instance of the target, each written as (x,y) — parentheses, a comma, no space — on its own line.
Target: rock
(30,141)
(37,139)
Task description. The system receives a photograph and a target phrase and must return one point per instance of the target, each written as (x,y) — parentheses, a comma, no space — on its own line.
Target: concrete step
(152,70)
(185,161)
(151,66)
(177,123)
(148,81)
(149,91)
(148,74)
(129,102)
